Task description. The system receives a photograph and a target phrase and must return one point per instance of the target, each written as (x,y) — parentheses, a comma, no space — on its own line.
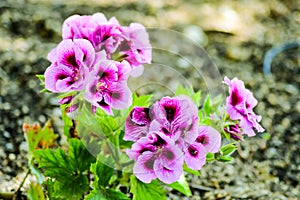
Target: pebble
(291,89)
(23,146)
(6,134)
(25,109)
(9,147)
(42,118)
(297,106)
(2,153)
(272,99)
(271,152)
(11,156)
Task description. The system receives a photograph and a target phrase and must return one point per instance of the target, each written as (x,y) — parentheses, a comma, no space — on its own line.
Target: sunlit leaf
(150,191)
(182,186)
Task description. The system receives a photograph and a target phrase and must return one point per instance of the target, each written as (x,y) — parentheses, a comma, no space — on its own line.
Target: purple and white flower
(156,156)
(71,62)
(136,49)
(176,117)
(235,132)
(137,123)
(107,84)
(240,104)
(102,33)
(208,140)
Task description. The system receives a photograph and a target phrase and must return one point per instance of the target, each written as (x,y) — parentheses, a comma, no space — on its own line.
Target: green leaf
(142,101)
(150,191)
(225,158)
(87,122)
(67,170)
(41,77)
(191,171)
(188,91)
(35,192)
(124,144)
(107,194)
(266,136)
(182,186)
(228,149)
(210,157)
(50,190)
(102,171)
(206,106)
(73,188)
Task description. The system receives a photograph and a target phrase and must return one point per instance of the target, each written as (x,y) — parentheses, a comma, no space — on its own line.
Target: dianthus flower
(71,62)
(240,104)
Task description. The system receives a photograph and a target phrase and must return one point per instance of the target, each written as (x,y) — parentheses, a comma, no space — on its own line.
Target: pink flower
(240,104)
(71,106)
(156,156)
(102,33)
(176,117)
(107,84)
(71,61)
(235,132)
(137,124)
(208,140)
(137,49)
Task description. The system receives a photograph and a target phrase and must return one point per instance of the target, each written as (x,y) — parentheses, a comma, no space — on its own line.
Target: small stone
(297,106)
(42,118)
(6,106)
(25,109)
(285,122)
(23,146)
(272,98)
(291,89)
(11,156)
(2,153)
(6,134)
(32,84)
(9,147)
(271,152)
(16,112)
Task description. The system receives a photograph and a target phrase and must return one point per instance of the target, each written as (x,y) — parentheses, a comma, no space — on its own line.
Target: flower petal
(144,167)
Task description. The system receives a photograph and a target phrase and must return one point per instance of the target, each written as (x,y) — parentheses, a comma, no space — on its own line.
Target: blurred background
(236,34)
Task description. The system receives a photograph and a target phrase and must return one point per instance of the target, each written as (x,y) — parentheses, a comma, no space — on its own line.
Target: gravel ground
(236,35)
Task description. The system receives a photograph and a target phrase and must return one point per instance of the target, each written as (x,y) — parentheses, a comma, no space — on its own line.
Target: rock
(9,147)
(11,156)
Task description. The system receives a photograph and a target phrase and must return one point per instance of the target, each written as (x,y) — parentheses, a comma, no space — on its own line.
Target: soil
(235,34)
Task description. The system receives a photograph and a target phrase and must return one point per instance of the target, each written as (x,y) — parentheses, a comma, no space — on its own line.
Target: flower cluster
(239,106)
(97,55)
(165,136)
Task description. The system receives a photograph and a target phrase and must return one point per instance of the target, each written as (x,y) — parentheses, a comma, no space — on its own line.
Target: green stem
(127,163)
(23,181)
